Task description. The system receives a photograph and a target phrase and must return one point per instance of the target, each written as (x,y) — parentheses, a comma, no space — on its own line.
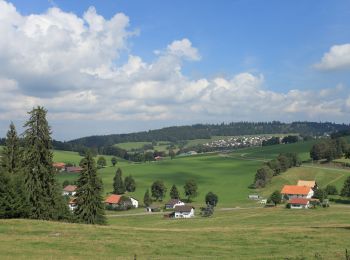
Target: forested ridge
(205,131)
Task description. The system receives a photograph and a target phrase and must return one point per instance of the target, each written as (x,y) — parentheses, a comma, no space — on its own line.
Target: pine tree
(174,193)
(118,184)
(14,199)
(345,192)
(147,201)
(90,208)
(45,199)
(11,154)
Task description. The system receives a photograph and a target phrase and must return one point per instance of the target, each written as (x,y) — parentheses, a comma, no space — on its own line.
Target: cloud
(338,57)
(69,65)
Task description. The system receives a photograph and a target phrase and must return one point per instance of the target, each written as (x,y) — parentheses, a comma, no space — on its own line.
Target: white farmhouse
(184,212)
(134,202)
(293,191)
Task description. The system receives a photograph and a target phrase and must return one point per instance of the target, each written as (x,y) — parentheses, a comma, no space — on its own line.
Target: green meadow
(261,233)
(239,228)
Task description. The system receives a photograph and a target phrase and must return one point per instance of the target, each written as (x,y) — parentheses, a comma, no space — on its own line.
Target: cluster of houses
(238,142)
(180,209)
(62,167)
(113,201)
(300,196)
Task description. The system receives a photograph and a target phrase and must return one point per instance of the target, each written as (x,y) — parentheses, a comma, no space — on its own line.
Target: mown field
(276,233)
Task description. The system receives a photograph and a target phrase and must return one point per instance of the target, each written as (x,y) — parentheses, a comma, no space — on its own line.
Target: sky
(119,66)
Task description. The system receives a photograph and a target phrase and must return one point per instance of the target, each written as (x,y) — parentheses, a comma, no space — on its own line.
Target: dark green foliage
(101,162)
(13,197)
(191,189)
(147,201)
(290,139)
(345,192)
(207,211)
(118,184)
(272,141)
(148,156)
(90,208)
(275,166)
(114,161)
(158,190)
(171,153)
(174,193)
(211,199)
(284,162)
(329,149)
(11,154)
(263,176)
(320,194)
(331,190)
(44,193)
(130,184)
(275,197)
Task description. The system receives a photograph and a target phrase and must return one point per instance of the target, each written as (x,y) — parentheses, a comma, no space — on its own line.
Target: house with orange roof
(311,184)
(113,200)
(293,191)
(60,166)
(72,204)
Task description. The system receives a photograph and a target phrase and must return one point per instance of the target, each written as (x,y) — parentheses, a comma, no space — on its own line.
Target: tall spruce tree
(90,208)
(13,177)
(118,184)
(45,199)
(11,154)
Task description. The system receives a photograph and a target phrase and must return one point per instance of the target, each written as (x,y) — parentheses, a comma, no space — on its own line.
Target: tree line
(330,149)
(275,167)
(202,131)
(28,187)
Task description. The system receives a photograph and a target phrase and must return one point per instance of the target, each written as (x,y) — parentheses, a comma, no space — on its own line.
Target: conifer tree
(147,201)
(11,154)
(14,200)
(90,208)
(118,184)
(174,193)
(45,199)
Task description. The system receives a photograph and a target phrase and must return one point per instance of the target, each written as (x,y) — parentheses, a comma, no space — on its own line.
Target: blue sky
(280,50)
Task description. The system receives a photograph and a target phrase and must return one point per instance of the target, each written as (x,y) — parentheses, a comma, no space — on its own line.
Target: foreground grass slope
(238,234)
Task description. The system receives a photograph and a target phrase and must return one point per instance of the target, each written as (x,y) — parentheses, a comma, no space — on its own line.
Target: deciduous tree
(158,190)
(191,189)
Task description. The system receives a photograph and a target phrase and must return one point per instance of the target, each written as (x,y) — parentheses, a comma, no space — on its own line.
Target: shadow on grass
(347,227)
(340,200)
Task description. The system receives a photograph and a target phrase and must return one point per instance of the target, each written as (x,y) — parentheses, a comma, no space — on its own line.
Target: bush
(331,190)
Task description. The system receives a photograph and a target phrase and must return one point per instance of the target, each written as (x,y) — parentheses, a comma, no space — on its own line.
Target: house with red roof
(293,191)
(74,169)
(70,190)
(299,203)
(59,166)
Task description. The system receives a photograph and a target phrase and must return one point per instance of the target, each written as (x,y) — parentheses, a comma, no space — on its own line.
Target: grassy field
(272,151)
(227,175)
(275,233)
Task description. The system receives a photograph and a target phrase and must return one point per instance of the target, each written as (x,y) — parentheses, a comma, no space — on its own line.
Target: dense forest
(205,131)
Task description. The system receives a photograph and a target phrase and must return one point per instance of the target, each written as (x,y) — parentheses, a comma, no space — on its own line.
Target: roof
(70,188)
(113,199)
(185,208)
(73,169)
(300,201)
(310,184)
(294,189)
(59,165)
(173,202)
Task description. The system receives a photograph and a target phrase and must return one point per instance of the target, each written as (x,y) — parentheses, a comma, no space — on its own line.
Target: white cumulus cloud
(338,57)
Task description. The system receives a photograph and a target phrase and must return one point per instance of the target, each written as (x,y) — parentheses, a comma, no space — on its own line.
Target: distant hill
(206,131)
